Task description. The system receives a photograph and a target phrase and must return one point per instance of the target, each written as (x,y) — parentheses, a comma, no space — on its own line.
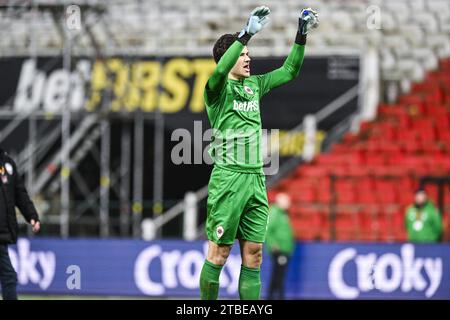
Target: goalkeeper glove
(258,19)
(308,20)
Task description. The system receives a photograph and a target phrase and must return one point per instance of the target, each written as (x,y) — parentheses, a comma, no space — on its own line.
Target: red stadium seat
(346,197)
(367,197)
(375,159)
(308,224)
(346,225)
(366,226)
(304,195)
(324,196)
(378,169)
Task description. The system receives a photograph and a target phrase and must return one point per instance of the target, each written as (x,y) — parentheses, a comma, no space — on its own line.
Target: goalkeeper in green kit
(237,205)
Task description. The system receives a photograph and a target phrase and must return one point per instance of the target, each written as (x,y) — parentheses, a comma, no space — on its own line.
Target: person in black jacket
(12,194)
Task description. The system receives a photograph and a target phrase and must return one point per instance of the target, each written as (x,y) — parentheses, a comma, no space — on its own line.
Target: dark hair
(420,189)
(222,45)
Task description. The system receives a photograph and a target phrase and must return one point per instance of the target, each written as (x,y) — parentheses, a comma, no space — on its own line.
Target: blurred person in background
(280,243)
(423,220)
(12,194)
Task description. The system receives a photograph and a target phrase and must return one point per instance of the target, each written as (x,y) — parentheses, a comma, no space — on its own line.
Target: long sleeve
(22,199)
(218,80)
(288,71)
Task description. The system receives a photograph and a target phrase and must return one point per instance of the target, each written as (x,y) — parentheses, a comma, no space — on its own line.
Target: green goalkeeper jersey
(233,108)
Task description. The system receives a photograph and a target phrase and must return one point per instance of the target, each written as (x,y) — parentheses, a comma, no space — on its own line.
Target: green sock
(209,281)
(249,283)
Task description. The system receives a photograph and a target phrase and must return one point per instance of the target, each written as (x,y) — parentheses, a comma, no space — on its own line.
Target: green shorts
(237,207)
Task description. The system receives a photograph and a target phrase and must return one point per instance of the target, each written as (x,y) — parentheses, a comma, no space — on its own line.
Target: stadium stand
(402,35)
(377,170)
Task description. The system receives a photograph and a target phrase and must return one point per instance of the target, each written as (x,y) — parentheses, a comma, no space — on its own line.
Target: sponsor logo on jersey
(246,106)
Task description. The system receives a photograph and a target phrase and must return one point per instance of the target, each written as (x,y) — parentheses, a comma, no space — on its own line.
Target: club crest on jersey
(248,90)
(219,232)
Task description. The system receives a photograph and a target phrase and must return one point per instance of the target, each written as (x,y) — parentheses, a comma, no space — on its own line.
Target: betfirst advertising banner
(121,86)
(175,86)
(172,269)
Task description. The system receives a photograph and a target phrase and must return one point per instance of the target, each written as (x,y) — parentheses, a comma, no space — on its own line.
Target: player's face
(420,198)
(242,67)
(283,201)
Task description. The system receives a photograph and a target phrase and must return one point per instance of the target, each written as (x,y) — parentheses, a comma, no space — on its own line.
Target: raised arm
(258,19)
(291,66)
(288,71)
(219,77)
